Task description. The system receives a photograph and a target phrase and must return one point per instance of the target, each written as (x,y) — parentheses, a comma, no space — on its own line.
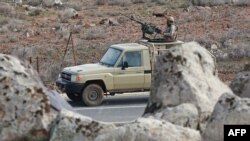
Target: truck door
(131,77)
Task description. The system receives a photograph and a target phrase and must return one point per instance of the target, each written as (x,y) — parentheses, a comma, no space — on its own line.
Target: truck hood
(88,69)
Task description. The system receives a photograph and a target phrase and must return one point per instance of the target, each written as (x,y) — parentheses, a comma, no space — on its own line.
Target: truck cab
(123,68)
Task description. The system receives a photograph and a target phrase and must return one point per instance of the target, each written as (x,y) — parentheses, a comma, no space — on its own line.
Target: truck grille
(66,76)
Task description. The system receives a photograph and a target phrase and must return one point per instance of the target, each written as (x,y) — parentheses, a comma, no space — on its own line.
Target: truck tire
(92,95)
(73,97)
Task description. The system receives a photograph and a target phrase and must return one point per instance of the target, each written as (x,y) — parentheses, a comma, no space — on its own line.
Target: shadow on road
(116,101)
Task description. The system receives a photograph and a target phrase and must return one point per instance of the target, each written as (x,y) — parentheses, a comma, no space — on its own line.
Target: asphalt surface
(118,108)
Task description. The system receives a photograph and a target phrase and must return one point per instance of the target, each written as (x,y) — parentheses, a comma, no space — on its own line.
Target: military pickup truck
(123,68)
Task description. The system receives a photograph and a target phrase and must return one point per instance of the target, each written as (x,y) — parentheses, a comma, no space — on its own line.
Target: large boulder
(70,126)
(241,84)
(185,115)
(145,129)
(27,109)
(185,74)
(230,109)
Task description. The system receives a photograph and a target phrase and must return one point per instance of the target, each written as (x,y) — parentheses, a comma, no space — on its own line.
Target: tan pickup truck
(123,68)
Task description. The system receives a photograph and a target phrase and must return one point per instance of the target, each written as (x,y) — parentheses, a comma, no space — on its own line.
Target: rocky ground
(40,28)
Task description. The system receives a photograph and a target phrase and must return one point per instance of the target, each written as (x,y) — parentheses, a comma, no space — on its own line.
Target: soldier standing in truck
(170,32)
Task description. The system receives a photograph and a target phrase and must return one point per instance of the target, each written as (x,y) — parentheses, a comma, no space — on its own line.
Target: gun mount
(146,28)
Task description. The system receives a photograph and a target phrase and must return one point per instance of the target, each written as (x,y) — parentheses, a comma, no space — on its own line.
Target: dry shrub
(34,2)
(114,2)
(242,2)
(94,33)
(50,74)
(101,2)
(15,25)
(119,2)
(8,38)
(49,59)
(220,2)
(48,3)
(139,1)
(159,1)
(6,9)
(75,5)
(3,20)
(66,14)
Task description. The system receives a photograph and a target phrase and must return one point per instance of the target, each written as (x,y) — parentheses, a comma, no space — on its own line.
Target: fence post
(37,64)
(72,42)
(30,59)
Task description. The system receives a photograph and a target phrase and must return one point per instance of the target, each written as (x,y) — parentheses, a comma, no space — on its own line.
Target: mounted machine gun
(146,28)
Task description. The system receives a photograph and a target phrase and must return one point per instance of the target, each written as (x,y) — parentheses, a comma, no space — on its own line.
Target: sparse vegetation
(6,9)
(159,1)
(66,14)
(75,5)
(114,2)
(34,2)
(139,1)
(101,2)
(94,33)
(119,2)
(3,20)
(8,38)
(15,25)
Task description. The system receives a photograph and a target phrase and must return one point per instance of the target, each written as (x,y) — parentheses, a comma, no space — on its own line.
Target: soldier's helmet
(170,19)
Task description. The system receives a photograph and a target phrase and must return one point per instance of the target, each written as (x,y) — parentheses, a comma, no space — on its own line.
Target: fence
(36,60)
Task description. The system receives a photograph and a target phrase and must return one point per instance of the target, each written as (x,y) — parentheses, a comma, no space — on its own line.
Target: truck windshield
(110,57)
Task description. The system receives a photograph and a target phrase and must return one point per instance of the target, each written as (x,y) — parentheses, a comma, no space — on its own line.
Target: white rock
(67,14)
(145,129)
(185,74)
(58,2)
(73,127)
(214,47)
(185,115)
(50,3)
(241,84)
(229,110)
(25,110)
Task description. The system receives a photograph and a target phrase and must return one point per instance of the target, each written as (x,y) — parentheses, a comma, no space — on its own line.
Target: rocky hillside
(40,28)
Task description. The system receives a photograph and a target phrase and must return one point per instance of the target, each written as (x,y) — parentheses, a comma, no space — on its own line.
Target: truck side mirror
(124,65)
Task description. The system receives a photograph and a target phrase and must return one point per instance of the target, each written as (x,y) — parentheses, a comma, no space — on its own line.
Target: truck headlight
(75,78)
(59,75)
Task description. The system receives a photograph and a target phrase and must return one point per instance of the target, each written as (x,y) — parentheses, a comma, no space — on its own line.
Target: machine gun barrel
(146,28)
(133,19)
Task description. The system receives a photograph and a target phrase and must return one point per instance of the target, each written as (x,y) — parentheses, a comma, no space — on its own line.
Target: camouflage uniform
(170,30)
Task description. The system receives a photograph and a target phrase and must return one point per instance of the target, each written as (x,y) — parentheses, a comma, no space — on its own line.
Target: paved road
(118,108)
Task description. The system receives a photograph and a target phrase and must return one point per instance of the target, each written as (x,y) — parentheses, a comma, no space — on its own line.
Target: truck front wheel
(92,95)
